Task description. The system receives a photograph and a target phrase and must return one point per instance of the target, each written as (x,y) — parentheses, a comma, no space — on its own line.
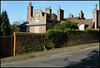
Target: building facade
(40,21)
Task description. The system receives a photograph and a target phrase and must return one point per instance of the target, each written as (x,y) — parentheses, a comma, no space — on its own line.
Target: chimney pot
(96,6)
(30,4)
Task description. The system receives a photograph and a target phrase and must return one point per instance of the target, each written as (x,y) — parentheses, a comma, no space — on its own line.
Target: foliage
(55,36)
(90,29)
(66,24)
(30,42)
(59,37)
(49,26)
(4,24)
(15,27)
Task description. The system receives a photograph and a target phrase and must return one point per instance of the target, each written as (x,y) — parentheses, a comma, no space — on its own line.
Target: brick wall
(42,29)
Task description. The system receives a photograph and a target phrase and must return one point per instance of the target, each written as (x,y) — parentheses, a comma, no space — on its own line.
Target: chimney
(59,7)
(48,10)
(45,18)
(96,6)
(95,17)
(29,12)
(60,14)
(81,15)
(70,15)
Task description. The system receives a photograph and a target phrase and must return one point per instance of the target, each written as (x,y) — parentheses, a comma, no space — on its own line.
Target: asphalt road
(84,58)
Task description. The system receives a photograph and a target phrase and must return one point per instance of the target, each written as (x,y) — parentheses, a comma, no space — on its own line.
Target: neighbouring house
(39,23)
(84,23)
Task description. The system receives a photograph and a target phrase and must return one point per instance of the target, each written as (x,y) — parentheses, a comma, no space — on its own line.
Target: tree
(4,24)
(66,24)
(15,27)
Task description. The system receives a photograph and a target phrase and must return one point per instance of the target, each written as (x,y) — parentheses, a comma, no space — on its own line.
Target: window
(27,29)
(36,29)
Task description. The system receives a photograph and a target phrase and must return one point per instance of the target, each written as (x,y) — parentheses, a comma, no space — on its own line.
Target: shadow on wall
(92,60)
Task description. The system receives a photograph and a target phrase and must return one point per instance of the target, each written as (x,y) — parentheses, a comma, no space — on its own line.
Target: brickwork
(38,17)
(48,10)
(60,14)
(95,17)
(42,29)
(29,13)
(70,15)
(81,14)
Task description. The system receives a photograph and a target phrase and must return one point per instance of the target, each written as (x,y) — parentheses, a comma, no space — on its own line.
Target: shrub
(66,24)
(67,30)
(71,30)
(55,36)
(90,29)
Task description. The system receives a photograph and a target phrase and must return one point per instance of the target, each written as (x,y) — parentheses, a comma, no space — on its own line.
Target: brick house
(82,22)
(41,20)
(39,23)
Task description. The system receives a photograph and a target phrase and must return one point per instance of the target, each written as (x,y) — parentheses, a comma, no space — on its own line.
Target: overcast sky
(17,10)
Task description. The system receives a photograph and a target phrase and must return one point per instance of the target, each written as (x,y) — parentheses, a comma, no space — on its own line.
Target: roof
(84,21)
(23,24)
(35,24)
(88,22)
(72,18)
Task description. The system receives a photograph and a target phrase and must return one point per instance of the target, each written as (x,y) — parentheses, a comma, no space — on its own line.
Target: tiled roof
(88,22)
(84,21)
(73,18)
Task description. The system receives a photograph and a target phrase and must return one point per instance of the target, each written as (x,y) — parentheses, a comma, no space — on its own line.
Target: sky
(17,10)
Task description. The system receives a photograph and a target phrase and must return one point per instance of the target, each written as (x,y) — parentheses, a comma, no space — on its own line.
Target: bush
(90,29)
(71,30)
(66,24)
(55,36)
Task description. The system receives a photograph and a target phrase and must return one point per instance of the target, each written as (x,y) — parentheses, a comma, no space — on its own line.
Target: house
(83,22)
(39,23)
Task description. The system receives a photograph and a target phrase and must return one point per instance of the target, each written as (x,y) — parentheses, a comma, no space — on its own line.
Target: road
(83,58)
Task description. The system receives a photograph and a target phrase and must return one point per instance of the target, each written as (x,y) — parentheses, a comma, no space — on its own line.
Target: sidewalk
(52,52)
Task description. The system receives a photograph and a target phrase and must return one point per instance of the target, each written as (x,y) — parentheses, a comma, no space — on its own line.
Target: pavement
(49,53)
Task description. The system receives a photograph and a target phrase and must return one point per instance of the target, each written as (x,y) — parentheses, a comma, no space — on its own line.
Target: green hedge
(54,38)
(68,37)
(30,42)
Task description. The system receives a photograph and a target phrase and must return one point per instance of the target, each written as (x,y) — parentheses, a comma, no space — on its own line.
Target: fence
(7,43)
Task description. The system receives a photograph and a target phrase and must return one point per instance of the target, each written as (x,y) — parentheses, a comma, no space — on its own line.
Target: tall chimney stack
(95,17)
(29,12)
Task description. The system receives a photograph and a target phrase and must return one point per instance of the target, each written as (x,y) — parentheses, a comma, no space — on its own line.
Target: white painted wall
(81,26)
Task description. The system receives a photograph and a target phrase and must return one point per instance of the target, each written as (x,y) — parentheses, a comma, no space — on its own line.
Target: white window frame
(36,29)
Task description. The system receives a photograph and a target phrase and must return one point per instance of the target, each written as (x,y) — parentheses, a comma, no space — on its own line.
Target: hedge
(53,38)
(70,37)
(30,42)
